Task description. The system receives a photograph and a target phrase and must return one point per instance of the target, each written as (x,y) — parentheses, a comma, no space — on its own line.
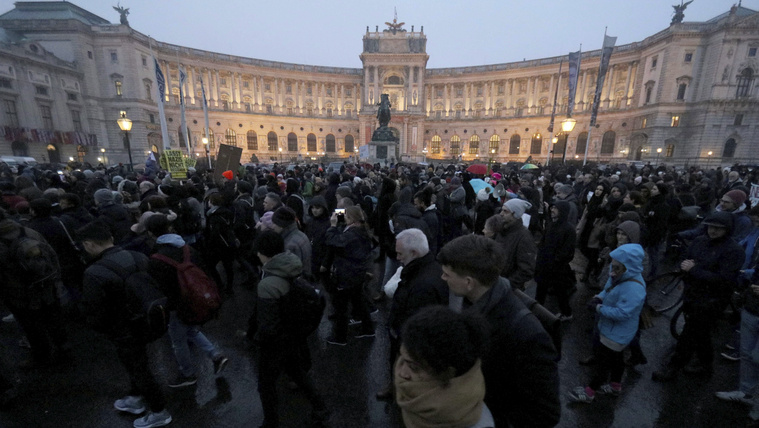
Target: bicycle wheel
(665,291)
(677,323)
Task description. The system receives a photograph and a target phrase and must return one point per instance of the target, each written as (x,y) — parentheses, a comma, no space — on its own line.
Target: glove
(593,303)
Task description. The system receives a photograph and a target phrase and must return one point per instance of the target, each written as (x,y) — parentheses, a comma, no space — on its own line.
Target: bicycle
(664,293)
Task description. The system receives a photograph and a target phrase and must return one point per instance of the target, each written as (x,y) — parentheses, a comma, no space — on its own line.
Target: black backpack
(146,305)
(303,307)
(36,259)
(548,319)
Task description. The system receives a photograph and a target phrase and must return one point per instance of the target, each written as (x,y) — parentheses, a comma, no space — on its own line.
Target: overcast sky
(459,32)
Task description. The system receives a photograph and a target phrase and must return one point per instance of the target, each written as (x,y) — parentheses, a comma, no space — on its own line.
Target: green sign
(174,162)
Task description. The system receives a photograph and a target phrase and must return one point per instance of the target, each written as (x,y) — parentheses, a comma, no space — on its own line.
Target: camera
(340,215)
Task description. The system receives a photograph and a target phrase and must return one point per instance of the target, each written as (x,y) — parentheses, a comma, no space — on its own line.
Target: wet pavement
(82,394)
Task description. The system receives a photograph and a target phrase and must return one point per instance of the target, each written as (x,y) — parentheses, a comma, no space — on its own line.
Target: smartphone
(340,211)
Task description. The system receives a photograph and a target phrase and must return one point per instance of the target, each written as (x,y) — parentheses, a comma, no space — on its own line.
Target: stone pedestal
(381,150)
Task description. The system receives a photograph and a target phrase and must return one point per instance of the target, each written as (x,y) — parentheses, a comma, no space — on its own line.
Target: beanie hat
(564,189)
(117,179)
(638,179)
(517,207)
(737,196)
(88,173)
(344,192)
(103,196)
(266,220)
(631,216)
(455,182)
(283,217)
(631,229)
(228,174)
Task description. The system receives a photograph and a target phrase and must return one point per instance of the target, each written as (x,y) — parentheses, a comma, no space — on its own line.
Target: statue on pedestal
(679,15)
(383,133)
(123,11)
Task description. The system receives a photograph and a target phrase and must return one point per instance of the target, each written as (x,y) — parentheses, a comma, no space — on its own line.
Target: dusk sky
(459,33)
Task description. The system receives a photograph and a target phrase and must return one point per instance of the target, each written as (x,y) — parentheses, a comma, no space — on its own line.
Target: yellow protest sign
(174,162)
(190,162)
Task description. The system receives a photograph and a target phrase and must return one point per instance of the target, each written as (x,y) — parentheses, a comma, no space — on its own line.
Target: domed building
(683,95)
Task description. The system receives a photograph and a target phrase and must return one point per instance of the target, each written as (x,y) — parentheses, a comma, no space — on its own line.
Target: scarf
(428,404)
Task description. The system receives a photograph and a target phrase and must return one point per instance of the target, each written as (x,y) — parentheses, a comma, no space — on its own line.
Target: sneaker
(582,394)
(130,404)
(563,317)
(353,321)
(9,318)
(737,396)
(612,388)
(219,363)
(153,419)
(731,355)
(333,341)
(182,381)
(365,334)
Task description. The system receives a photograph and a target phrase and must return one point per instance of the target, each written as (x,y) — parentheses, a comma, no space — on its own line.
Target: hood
(171,239)
(630,255)
(564,209)
(318,201)
(284,265)
(408,209)
(631,229)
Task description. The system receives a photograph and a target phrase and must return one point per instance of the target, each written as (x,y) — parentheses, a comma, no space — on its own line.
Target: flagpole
(553,114)
(205,113)
(161,89)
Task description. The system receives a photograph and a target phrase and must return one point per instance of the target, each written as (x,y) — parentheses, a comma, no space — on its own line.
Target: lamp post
(126,125)
(280,155)
(567,125)
(708,160)
(102,158)
(208,155)
(658,152)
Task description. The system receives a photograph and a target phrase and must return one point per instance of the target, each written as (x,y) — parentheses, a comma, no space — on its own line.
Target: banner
(574,75)
(161,88)
(185,131)
(754,194)
(174,162)
(602,68)
(205,114)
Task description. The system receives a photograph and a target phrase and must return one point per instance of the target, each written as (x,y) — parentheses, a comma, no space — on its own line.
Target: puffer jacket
(623,297)
(275,284)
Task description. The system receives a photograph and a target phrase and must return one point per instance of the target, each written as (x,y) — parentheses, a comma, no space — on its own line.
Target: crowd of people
(443,260)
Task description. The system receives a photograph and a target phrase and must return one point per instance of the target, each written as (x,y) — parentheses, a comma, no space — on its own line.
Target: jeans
(749,371)
(134,357)
(181,334)
(653,256)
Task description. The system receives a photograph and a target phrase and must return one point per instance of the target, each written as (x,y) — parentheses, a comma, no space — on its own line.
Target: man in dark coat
(73,211)
(421,285)
(114,215)
(520,370)
(712,264)
(518,244)
(555,252)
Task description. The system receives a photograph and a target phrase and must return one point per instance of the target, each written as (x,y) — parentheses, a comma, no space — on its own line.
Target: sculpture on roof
(679,15)
(123,11)
(395,26)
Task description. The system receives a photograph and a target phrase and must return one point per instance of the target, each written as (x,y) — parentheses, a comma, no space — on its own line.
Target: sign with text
(174,162)
(227,159)
(363,151)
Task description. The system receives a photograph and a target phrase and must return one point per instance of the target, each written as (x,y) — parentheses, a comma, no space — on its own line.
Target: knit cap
(283,217)
(517,207)
(737,196)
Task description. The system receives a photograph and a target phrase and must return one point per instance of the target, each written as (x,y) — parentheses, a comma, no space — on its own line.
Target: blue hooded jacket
(623,297)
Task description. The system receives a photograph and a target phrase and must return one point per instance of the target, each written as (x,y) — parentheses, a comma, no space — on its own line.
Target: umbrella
(478,184)
(478,168)
(529,166)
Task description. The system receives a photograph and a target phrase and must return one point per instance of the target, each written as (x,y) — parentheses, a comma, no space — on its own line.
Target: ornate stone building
(685,94)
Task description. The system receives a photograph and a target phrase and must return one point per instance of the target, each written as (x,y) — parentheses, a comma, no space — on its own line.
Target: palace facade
(683,95)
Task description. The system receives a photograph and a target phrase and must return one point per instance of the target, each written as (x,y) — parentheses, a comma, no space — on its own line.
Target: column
(366,85)
(404,139)
(260,93)
(610,86)
(357,99)
(509,91)
(428,101)
(377,96)
(320,88)
(530,87)
(233,90)
(584,93)
(255,90)
(492,97)
(446,94)
(467,95)
(167,76)
(216,87)
(191,85)
(631,82)
(558,85)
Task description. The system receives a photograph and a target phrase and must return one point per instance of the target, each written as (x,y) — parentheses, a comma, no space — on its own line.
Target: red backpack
(199,296)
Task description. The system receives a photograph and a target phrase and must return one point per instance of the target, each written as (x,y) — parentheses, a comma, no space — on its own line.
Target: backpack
(145,303)
(303,307)
(36,259)
(199,296)
(548,319)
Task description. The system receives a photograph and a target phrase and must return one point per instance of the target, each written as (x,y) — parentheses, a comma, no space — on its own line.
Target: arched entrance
(53,154)
(20,148)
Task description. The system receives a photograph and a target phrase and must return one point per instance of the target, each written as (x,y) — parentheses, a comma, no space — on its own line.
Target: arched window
(20,148)
(536,144)
(607,144)
(455,145)
(514,142)
(330,142)
(81,152)
(252,138)
(744,83)
(311,143)
(349,143)
(474,145)
(435,144)
(272,139)
(495,141)
(582,139)
(230,138)
(53,154)
(729,150)
(292,142)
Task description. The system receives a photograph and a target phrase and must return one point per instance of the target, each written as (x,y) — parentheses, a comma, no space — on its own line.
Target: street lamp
(208,155)
(658,152)
(126,125)
(708,159)
(280,154)
(567,125)
(105,161)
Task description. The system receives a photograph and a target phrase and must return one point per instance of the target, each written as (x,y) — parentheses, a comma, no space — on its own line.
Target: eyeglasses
(728,201)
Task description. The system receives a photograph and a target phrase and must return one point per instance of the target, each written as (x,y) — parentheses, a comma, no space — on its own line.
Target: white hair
(414,240)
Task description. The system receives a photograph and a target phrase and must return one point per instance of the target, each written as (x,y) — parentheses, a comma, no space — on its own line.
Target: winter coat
(118,220)
(623,297)
(349,256)
(431,216)
(275,284)
(407,216)
(520,370)
(15,289)
(421,285)
(656,217)
(520,254)
(77,217)
(316,228)
(298,243)
(219,234)
(557,249)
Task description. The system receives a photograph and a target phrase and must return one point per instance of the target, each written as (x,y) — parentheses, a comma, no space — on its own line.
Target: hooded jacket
(316,228)
(275,284)
(557,248)
(623,298)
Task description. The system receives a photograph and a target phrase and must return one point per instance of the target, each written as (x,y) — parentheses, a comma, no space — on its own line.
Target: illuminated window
(252,140)
(118,88)
(675,121)
(455,145)
(514,142)
(435,144)
(292,142)
(495,141)
(230,137)
(474,145)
